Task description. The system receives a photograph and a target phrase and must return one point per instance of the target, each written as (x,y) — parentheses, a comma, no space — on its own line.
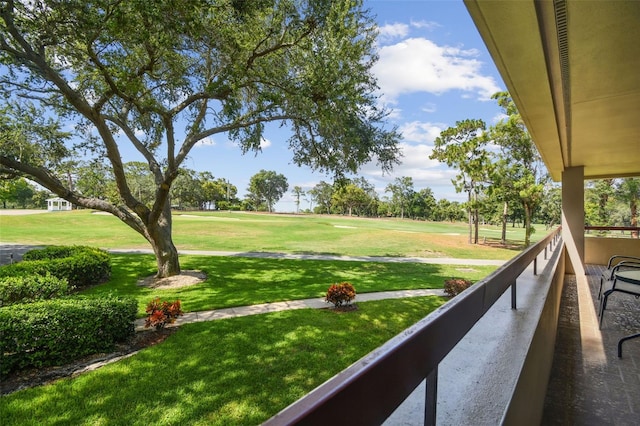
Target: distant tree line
(608,202)
(498,167)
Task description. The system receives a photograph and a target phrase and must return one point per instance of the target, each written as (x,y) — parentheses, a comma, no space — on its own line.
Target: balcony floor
(589,384)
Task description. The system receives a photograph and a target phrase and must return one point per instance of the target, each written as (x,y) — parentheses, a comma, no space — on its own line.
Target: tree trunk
(634,217)
(504,224)
(163,247)
(476,217)
(527,224)
(470,213)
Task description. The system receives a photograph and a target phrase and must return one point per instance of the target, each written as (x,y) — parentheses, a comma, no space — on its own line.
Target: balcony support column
(573,218)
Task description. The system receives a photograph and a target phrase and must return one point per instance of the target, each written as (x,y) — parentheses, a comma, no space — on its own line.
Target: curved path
(10,252)
(264,308)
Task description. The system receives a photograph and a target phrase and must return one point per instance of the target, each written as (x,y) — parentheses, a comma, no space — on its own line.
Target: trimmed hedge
(54,252)
(81,266)
(27,289)
(52,332)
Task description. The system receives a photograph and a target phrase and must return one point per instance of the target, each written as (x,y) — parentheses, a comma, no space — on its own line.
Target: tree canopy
(160,76)
(519,173)
(267,187)
(464,147)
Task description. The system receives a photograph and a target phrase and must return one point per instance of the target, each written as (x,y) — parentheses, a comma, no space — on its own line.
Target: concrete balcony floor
(589,384)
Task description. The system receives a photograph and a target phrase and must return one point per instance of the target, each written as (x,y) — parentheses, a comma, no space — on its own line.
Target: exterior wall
(598,250)
(501,368)
(527,403)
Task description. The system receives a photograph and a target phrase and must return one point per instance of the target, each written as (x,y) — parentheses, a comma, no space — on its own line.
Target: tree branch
(278,46)
(44,177)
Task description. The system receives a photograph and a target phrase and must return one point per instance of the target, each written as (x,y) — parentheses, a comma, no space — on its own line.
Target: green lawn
(237,371)
(270,233)
(238,281)
(244,370)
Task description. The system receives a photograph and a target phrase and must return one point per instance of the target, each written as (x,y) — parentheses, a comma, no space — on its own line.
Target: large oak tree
(161,75)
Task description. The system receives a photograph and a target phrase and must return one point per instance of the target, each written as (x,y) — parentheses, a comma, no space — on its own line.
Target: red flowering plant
(160,313)
(340,293)
(455,286)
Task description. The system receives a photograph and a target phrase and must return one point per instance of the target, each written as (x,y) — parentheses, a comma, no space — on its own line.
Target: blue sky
(433,71)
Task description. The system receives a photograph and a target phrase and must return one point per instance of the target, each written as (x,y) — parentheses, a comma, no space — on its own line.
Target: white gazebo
(58,204)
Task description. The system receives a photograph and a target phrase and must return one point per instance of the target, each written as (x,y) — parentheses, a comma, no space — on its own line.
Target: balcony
(589,384)
(487,357)
(534,354)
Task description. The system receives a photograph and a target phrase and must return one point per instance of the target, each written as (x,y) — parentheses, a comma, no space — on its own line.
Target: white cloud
(430,25)
(420,65)
(394,113)
(265,143)
(414,163)
(389,32)
(500,117)
(205,142)
(429,108)
(416,131)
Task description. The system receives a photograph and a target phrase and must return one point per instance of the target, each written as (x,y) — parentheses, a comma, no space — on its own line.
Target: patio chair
(614,283)
(616,263)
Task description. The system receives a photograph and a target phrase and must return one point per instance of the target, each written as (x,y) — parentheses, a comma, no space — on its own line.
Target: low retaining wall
(499,372)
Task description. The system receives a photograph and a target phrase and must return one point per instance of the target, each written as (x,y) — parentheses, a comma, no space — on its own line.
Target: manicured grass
(238,281)
(243,370)
(230,372)
(315,234)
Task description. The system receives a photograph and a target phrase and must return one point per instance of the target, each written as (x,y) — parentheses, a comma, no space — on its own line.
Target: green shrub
(30,288)
(55,331)
(81,266)
(53,252)
(341,293)
(455,286)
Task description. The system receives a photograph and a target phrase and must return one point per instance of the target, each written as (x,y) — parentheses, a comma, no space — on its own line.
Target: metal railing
(634,231)
(371,389)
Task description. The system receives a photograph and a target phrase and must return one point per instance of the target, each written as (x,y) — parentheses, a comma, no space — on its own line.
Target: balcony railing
(370,390)
(614,231)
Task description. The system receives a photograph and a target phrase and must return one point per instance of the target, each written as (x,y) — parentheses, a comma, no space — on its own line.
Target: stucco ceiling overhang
(573,70)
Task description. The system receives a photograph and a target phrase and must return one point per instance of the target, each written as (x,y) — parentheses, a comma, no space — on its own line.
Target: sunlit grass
(313,234)
(238,281)
(242,371)
(230,372)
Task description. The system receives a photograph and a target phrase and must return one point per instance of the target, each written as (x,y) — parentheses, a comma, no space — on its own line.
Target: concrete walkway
(288,305)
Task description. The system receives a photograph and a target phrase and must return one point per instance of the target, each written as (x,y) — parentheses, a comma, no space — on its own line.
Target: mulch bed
(344,308)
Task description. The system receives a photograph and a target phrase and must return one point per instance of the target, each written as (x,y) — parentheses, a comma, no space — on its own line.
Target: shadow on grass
(241,281)
(238,371)
(513,245)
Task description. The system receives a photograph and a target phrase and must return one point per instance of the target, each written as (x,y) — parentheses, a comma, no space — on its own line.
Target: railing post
(535,265)
(513,295)
(545,252)
(431,397)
